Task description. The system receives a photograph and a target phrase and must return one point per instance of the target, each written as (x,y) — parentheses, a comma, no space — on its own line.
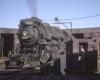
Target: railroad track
(45,77)
(15,76)
(93,76)
(56,77)
(33,75)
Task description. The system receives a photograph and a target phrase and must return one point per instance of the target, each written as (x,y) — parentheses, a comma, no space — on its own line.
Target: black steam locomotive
(39,43)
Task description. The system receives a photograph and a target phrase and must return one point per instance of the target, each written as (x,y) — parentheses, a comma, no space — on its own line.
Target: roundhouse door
(8,43)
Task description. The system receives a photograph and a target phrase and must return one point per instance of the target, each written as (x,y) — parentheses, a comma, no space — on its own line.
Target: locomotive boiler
(39,43)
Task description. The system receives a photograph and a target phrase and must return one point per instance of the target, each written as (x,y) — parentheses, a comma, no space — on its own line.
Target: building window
(85,37)
(94,40)
(99,34)
(96,34)
(91,34)
(89,37)
(79,35)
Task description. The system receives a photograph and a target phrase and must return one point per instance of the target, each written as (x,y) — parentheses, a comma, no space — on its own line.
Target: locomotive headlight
(24,33)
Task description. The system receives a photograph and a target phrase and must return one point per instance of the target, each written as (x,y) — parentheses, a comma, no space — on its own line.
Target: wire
(77,18)
(60,19)
(8,19)
(83,17)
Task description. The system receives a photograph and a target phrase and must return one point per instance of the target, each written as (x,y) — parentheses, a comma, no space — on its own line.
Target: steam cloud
(32,4)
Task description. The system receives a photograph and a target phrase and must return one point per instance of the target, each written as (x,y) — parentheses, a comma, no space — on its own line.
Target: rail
(24,72)
(50,76)
(63,77)
(24,76)
(91,77)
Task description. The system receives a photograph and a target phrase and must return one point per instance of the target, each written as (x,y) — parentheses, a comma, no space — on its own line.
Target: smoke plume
(32,4)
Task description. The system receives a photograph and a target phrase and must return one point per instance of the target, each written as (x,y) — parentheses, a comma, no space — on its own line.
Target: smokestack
(32,4)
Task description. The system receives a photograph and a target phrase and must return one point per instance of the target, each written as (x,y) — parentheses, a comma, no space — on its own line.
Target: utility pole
(63,23)
(57,22)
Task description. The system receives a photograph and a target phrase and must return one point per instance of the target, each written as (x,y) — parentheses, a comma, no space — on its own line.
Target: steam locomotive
(39,43)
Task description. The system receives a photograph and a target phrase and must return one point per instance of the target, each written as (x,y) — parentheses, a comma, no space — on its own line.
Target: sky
(12,11)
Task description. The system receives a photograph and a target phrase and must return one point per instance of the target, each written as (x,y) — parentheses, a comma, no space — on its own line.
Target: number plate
(24,37)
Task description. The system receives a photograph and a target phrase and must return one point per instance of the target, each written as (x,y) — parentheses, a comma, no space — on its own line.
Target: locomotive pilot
(82,57)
